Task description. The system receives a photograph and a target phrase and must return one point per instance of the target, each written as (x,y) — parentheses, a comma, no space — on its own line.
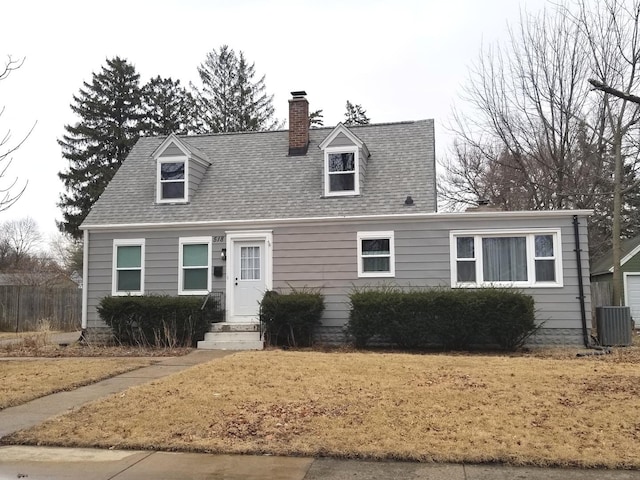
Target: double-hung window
(506,258)
(341,171)
(128,267)
(194,272)
(376,254)
(172,176)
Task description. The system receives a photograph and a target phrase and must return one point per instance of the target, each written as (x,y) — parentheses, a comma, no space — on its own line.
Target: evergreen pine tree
(316,119)
(110,114)
(168,108)
(230,99)
(355,115)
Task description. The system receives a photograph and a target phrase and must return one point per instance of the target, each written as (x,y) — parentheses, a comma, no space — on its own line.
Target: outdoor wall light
(223,254)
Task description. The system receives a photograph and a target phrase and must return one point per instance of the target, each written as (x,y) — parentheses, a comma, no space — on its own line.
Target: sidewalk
(35,463)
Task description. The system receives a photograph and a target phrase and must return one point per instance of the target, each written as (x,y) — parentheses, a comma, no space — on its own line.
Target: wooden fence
(26,307)
(601,296)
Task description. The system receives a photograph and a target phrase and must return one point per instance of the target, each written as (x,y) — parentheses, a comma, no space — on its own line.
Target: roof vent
(408,201)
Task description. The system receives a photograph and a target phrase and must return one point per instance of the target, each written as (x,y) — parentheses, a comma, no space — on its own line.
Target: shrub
(509,318)
(370,310)
(454,319)
(156,320)
(289,319)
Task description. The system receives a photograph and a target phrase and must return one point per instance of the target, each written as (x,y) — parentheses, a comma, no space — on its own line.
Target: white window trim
(356,179)
(128,242)
(172,159)
(529,234)
(193,241)
(392,254)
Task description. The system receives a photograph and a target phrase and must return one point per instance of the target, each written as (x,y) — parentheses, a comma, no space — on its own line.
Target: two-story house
(328,208)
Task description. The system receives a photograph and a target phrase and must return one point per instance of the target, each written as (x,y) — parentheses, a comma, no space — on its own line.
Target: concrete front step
(234,327)
(232,340)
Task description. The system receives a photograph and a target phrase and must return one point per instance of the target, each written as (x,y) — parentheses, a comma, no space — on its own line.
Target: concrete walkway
(38,410)
(63,338)
(91,464)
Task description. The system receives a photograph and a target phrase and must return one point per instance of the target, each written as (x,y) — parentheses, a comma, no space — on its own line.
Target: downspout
(583,313)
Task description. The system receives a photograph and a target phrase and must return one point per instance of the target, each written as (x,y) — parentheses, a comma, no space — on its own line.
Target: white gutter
(347,218)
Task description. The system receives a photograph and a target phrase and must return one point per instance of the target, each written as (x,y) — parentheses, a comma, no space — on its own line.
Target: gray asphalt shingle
(252,177)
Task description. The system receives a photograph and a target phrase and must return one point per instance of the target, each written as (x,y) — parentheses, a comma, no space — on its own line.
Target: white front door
(248,272)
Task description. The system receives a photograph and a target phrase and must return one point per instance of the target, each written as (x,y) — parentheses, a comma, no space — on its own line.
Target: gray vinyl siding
(324,255)
(172,151)
(196,173)
(161,264)
(341,140)
(363,170)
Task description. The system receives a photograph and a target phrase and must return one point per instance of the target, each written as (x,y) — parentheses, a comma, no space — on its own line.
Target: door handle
(236,281)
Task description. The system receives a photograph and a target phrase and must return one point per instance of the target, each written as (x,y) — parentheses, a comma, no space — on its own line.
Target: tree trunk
(617,220)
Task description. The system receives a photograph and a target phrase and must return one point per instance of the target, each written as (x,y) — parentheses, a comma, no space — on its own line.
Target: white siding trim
(120,242)
(344,218)
(628,256)
(193,241)
(85,278)
(341,128)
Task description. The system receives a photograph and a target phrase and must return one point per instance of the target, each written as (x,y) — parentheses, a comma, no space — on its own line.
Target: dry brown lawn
(538,409)
(20,335)
(39,344)
(24,380)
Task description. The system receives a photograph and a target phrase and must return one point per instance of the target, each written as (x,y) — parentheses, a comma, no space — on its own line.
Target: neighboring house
(602,274)
(328,208)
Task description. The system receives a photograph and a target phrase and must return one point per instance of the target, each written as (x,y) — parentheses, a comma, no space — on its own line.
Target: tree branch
(616,93)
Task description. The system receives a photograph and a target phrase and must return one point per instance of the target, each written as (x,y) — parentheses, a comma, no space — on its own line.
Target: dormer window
(341,171)
(345,161)
(172,175)
(180,169)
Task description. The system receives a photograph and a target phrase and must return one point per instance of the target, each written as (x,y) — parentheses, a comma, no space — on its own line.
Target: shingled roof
(252,177)
(604,265)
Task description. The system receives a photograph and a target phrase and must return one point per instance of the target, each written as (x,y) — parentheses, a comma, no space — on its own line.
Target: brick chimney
(298,124)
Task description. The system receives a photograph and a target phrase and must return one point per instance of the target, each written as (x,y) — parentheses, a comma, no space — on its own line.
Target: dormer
(345,162)
(179,170)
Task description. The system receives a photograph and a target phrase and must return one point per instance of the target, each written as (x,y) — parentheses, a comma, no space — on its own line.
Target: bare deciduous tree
(21,237)
(535,137)
(612,33)
(10,190)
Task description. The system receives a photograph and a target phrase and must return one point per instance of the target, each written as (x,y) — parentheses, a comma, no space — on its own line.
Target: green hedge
(454,319)
(161,321)
(289,319)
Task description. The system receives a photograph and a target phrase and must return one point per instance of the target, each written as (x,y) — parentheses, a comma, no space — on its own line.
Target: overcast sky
(401,60)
